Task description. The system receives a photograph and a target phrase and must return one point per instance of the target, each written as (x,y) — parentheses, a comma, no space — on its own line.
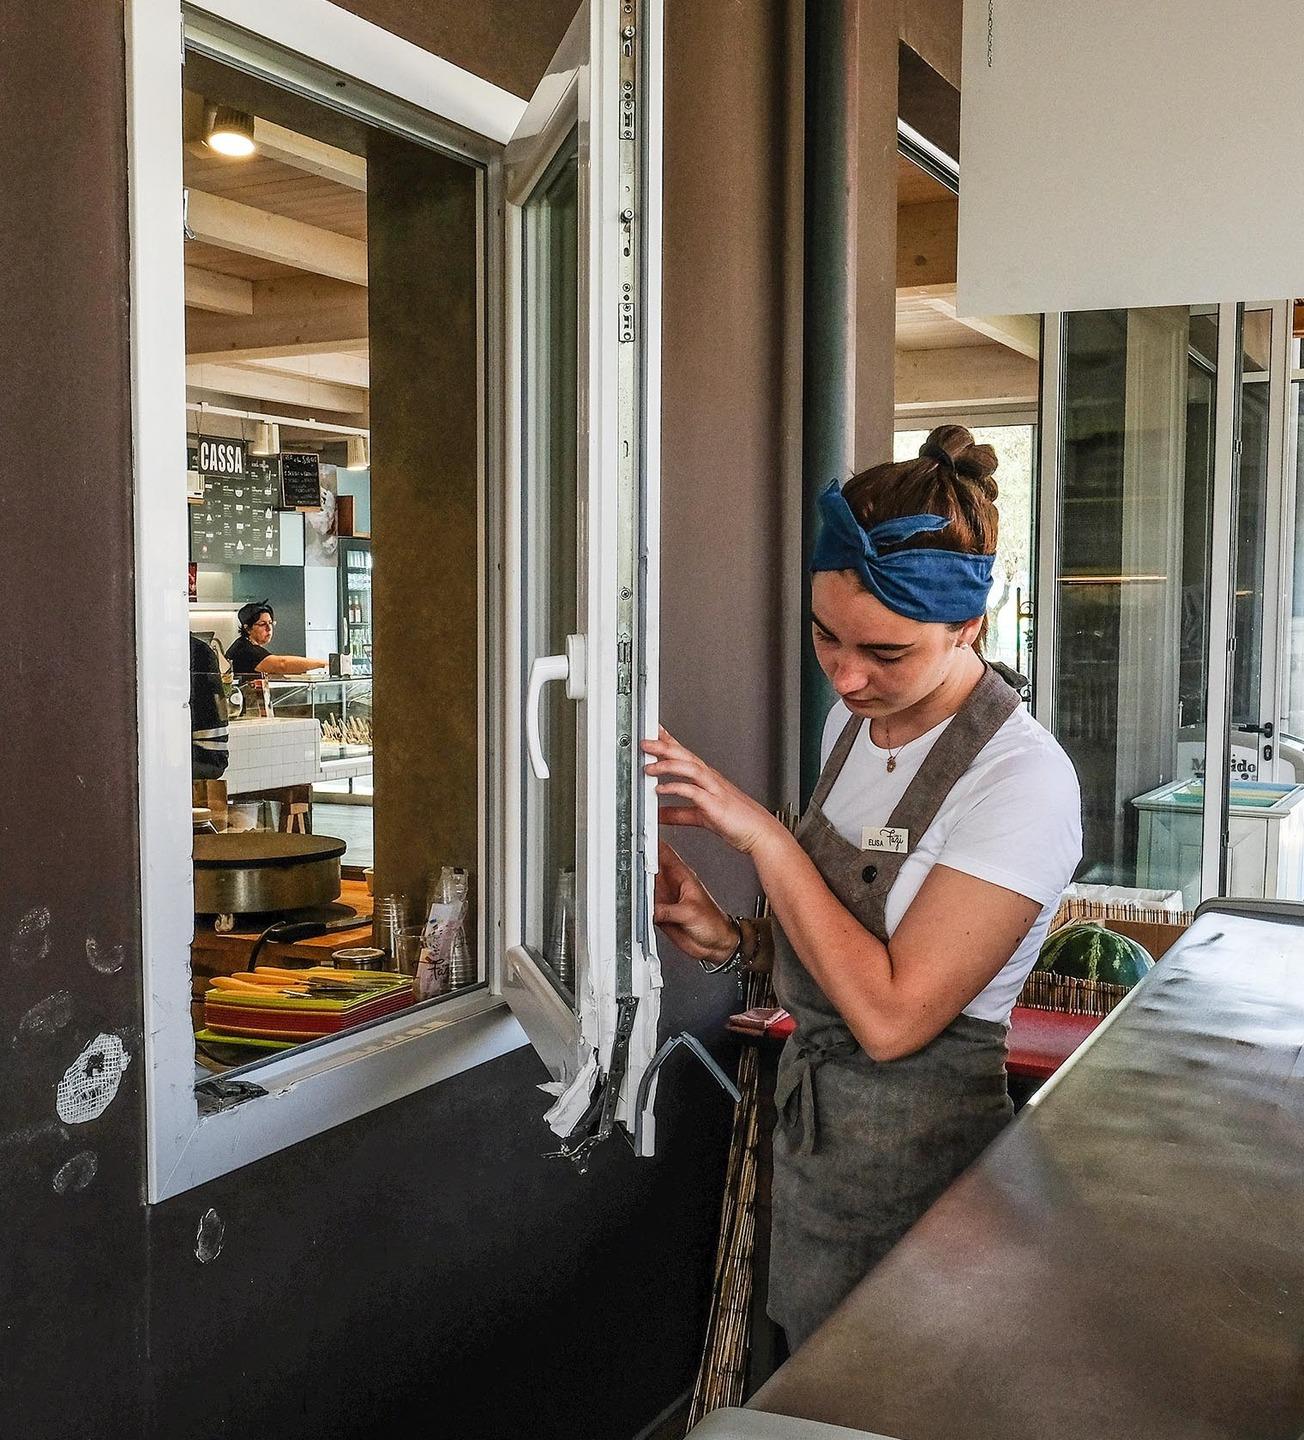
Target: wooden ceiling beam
(222,294)
(337,368)
(254,383)
(313,157)
(1021,333)
(299,315)
(275,142)
(215,220)
(968,377)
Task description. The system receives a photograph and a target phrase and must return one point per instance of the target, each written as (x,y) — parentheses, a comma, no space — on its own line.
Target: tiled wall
(266,754)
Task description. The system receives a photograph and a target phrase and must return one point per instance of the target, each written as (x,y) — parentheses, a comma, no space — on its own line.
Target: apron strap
(976,722)
(798,1078)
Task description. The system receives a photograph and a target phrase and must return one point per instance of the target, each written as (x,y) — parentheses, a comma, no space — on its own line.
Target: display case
(355,602)
(1265,842)
(342,708)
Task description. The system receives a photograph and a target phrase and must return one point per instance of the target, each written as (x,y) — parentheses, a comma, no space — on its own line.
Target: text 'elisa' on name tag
(895,842)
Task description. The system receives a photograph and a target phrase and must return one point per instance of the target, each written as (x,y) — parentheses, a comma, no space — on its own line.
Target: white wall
(1122,154)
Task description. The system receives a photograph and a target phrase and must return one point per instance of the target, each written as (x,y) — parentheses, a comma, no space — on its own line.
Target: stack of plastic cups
(455,884)
(387,924)
(561,936)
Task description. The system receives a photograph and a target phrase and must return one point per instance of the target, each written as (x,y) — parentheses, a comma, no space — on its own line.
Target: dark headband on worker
(937,586)
(248,614)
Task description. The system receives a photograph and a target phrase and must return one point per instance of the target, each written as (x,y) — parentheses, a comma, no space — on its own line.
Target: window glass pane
(1294,679)
(317,331)
(551,514)
(1131,652)
(1247,610)
(1009,607)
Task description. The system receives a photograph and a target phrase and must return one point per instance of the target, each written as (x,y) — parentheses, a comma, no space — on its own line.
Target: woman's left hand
(708,799)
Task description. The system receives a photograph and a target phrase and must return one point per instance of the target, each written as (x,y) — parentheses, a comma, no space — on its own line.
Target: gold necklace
(891,754)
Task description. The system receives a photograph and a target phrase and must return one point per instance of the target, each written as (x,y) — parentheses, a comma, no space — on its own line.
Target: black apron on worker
(863,1147)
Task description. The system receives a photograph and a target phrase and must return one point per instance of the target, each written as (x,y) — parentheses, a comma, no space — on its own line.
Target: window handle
(569,667)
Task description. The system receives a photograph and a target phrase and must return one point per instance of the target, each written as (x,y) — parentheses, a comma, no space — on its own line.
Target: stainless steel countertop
(1127,1261)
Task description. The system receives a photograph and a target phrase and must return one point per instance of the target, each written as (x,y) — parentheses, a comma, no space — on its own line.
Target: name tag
(893,841)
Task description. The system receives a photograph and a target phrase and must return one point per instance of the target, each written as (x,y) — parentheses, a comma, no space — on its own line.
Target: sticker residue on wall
(91,1081)
(31,938)
(76,1174)
(107,959)
(49,1015)
(209,1237)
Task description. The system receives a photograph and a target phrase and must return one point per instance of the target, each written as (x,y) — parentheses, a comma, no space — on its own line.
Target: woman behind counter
(911,903)
(248,652)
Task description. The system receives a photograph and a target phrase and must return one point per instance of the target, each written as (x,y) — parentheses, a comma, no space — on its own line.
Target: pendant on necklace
(891,763)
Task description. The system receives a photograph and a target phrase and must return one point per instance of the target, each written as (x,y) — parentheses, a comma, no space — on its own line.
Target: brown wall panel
(932,28)
(723,394)
(72,1257)
(508,42)
(425,435)
(874,219)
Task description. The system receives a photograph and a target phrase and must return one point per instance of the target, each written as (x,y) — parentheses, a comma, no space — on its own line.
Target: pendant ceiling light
(359,453)
(229,131)
(267,439)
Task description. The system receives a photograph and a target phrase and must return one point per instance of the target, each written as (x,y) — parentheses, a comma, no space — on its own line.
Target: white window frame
(319,1086)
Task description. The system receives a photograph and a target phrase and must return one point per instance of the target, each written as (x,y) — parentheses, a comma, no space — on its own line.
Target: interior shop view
(333,609)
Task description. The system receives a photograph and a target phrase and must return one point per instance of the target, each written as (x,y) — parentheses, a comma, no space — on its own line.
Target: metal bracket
(692,1043)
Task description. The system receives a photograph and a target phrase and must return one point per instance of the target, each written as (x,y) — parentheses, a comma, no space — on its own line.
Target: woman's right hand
(684,910)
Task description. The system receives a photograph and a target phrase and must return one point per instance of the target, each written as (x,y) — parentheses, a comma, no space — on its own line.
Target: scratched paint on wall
(209,1237)
(76,1174)
(48,1015)
(30,943)
(106,959)
(91,1081)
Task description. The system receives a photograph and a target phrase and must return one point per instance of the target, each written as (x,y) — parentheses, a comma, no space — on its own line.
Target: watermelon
(1087,951)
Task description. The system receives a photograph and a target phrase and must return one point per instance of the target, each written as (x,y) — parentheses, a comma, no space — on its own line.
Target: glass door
(1171,558)
(582,329)
(1264,826)
(1130,438)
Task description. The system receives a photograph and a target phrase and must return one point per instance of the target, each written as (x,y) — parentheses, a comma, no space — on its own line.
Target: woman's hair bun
(953,447)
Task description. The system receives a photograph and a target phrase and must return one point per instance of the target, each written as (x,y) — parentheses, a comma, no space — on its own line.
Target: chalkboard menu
(237,523)
(300,481)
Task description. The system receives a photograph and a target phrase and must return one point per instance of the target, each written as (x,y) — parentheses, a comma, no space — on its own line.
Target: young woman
(912,901)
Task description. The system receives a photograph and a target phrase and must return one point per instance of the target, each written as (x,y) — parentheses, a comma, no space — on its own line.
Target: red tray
(1040,1040)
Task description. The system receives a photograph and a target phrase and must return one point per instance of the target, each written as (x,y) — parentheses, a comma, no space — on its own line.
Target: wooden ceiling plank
(293,315)
(222,294)
(968,377)
(255,383)
(1020,333)
(337,368)
(215,220)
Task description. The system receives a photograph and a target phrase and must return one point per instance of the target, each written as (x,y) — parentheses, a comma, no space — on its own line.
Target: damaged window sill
(250,1114)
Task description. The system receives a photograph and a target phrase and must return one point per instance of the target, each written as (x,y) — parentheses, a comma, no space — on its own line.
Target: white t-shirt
(1014,818)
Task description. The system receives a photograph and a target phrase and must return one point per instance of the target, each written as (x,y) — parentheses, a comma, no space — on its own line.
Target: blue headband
(938,586)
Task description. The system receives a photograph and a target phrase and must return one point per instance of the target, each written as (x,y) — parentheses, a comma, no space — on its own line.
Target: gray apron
(863,1147)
